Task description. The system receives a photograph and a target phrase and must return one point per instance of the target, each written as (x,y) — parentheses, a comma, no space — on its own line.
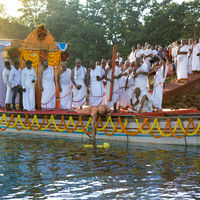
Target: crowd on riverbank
(126,88)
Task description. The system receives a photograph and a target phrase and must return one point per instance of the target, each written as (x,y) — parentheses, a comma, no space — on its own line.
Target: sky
(12,6)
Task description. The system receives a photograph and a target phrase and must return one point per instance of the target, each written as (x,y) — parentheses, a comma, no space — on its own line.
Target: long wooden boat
(168,127)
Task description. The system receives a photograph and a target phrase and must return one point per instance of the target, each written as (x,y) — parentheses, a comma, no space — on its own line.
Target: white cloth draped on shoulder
(148,104)
(182,63)
(66,94)
(123,94)
(195,58)
(48,101)
(158,87)
(132,56)
(189,60)
(115,95)
(139,53)
(79,95)
(97,89)
(141,80)
(148,52)
(131,87)
(28,75)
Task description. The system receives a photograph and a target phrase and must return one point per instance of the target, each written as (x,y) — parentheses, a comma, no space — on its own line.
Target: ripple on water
(39,168)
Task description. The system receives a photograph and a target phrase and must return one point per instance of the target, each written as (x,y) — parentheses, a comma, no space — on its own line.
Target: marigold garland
(42,32)
(46,124)
(43,55)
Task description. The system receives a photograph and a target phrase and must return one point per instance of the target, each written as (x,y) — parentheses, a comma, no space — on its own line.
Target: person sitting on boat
(65,86)
(15,80)
(78,78)
(95,112)
(6,74)
(110,79)
(47,86)
(28,80)
(161,72)
(95,78)
(143,101)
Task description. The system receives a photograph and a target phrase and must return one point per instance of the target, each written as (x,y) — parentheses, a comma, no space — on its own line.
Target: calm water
(50,168)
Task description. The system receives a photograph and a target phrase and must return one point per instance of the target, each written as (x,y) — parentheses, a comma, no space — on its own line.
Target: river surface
(51,168)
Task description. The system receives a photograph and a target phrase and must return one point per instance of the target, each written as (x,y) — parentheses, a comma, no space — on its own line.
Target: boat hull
(177,129)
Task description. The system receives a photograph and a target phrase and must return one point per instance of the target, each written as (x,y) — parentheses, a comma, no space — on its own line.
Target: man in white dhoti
(130,84)
(109,78)
(140,74)
(196,56)
(9,93)
(190,46)
(95,78)
(65,86)
(28,80)
(159,79)
(47,87)
(182,63)
(143,101)
(15,80)
(123,90)
(147,56)
(132,56)
(78,78)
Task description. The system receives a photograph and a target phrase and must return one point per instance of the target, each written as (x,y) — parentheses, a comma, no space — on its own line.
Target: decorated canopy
(40,45)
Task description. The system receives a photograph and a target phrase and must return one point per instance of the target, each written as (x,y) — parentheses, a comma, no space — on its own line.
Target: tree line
(94,27)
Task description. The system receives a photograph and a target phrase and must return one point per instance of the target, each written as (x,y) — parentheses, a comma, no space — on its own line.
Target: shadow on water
(49,168)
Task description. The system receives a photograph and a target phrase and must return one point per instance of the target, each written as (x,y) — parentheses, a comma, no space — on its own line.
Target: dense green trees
(93,28)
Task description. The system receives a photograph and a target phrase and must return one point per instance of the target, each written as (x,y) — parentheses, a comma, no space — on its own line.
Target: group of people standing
(130,85)
(186,58)
(20,82)
(76,86)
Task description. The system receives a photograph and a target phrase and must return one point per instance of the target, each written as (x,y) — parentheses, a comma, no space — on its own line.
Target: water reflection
(41,168)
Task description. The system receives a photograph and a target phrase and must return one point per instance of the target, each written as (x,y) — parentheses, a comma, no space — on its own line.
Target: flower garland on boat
(42,32)
(120,127)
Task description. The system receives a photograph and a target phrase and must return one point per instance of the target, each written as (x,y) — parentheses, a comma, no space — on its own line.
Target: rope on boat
(70,126)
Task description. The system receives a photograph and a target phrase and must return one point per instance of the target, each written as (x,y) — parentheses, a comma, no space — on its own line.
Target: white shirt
(147,52)
(6,74)
(139,53)
(27,76)
(154,52)
(132,56)
(15,77)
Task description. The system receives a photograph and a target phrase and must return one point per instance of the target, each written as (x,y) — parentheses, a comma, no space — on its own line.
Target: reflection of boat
(172,127)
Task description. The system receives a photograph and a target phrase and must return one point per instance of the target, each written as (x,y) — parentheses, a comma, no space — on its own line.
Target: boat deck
(164,113)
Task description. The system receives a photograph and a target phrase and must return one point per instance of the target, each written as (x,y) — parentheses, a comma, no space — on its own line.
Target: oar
(113,72)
